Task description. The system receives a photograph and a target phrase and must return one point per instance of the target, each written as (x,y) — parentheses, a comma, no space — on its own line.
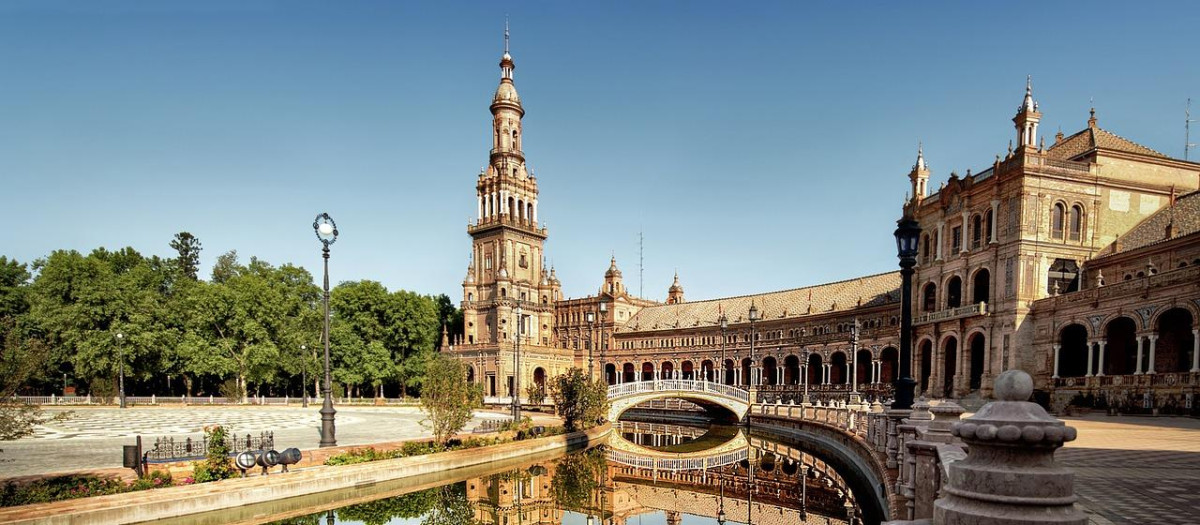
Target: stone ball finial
(1014,385)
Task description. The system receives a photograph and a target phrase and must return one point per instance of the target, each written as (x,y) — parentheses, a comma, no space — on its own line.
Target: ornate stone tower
(507,259)
(919,176)
(1027,118)
(675,292)
(507,266)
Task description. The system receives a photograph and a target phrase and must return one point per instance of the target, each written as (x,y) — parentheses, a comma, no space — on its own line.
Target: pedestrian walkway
(1136,470)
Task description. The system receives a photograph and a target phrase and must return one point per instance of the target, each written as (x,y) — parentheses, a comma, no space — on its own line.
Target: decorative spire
(1028,104)
(1092,117)
(506,61)
(506,35)
(920,156)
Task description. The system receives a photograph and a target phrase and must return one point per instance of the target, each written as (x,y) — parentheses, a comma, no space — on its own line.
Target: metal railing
(690,463)
(953,313)
(168,450)
(677,385)
(155,400)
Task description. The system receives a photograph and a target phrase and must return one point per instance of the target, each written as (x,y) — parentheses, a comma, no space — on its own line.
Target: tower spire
(506,34)
(1027,117)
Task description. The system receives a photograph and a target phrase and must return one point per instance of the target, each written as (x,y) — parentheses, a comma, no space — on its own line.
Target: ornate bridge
(707,394)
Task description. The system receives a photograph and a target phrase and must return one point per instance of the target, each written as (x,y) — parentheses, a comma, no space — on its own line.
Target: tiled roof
(872,290)
(1185,215)
(1092,138)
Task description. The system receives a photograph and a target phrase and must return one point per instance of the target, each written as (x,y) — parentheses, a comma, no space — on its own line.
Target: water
(648,474)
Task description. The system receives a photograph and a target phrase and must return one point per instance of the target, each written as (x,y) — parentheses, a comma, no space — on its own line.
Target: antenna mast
(641,264)
(1187,128)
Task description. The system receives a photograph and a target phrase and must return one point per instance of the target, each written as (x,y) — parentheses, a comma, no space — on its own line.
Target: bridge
(628,453)
(711,396)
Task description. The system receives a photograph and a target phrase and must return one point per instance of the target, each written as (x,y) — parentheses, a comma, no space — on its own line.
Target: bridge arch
(715,398)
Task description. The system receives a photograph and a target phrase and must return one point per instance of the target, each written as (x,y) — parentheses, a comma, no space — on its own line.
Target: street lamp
(327,233)
(516,388)
(590,317)
(304,376)
(603,311)
(754,316)
(724,326)
(121,367)
(908,233)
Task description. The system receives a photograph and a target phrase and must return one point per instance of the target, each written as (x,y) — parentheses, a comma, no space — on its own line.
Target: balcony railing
(969,310)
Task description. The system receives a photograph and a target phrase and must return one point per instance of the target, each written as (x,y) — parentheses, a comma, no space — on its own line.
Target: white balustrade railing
(678,385)
(683,463)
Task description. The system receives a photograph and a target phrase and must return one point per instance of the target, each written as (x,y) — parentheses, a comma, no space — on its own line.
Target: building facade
(1076,262)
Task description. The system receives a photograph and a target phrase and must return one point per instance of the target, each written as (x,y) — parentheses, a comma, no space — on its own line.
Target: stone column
(1138,369)
(1153,344)
(966,233)
(1057,348)
(1195,351)
(1090,353)
(941,238)
(1009,476)
(995,219)
(1100,360)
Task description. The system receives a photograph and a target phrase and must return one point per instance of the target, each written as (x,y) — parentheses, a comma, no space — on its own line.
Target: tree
(449,316)
(536,393)
(446,397)
(581,402)
(577,478)
(188,247)
(19,357)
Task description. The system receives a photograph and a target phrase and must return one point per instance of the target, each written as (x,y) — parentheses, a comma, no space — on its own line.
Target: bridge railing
(689,463)
(676,385)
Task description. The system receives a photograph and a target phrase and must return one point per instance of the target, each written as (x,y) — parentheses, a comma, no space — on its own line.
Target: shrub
(217,465)
(76,486)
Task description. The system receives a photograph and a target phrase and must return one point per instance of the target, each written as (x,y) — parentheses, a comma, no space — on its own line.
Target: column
(1100,366)
(1059,347)
(995,219)
(804,374)
(479,207)
(778,375)
(966,232)
(828,373)
(535,215)
(941,239)
(874,372)
(503,202)
(1138,369)
(1089,368)
(737,376)
(1195,351)
(1153,343)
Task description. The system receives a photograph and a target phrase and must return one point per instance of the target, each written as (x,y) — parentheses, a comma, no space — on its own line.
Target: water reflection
(771,483)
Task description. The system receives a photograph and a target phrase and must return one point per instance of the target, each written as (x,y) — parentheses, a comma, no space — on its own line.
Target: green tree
(449,316)
(19,358)
(446,397)
(188,247)
(577,478)
(453,507)
(580,402)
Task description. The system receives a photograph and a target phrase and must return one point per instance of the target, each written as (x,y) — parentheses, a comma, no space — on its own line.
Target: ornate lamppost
(304,376)
(603,310)
(908,233)
(590,317)
(754,316)
(121,367)
(327,233)
(724,321)
(516,388)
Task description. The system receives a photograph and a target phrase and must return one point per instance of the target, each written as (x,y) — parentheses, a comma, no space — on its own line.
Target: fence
(205,400)
(168,450)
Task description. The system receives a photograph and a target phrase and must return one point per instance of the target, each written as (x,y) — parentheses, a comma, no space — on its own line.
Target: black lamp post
(590,317)
(754,316)
(603,311)
(516,388)
(121,367)
(908,233)
(724,326)
(327,233)
(304,376)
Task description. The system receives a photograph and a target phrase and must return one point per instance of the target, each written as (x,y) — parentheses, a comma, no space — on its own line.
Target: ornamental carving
(1146,312)
(1095,321)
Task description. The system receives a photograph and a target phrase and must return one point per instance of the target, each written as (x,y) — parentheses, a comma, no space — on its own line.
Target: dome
(503,274)
(507,92)
(676,287)
(612,269)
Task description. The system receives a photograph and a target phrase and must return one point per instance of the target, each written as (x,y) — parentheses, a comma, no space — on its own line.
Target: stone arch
(889,362)
(1073,350)
(929,297)
(814,369)
(981,286)
(770,368)
(1160,311)
(1175,344)
(926,360)
(949,364)
(610,373)
(977,346)
(728,368)
(791,370)
(539,378)
(1120,348)
(838,368)
(647,372)
(470,374)
(707,368)
(666,370)
(954,291)
(863,363)
(629,373)
(747,371)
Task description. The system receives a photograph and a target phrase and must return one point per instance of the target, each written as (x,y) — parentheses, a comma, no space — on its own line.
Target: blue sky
(757,146)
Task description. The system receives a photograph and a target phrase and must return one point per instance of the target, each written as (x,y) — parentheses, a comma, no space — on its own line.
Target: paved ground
(92,437)
(1136,470)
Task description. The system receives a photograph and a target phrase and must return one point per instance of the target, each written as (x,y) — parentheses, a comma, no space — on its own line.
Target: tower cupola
(919,176)
(1027,118)
(675,292)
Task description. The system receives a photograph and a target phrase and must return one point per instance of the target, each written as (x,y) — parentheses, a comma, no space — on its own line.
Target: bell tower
(919,176)
(1027,118)
(507,268)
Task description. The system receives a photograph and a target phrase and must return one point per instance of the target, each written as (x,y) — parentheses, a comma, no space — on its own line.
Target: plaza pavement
(1136,470)
(92,438)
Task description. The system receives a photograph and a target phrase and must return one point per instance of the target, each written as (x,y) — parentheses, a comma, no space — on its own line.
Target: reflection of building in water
(517,497)
(658,434)
(785,490)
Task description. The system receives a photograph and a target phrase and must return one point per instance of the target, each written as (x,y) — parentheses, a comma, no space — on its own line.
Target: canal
(647,474)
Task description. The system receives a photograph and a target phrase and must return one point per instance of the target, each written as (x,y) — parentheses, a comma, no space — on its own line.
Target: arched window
(1075,223)
(929,303)
(925,248)
(987,226)
(976,231)
(1057,218)
(954,292)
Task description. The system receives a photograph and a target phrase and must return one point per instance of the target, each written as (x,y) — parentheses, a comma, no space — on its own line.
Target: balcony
(970,310)
(505,220)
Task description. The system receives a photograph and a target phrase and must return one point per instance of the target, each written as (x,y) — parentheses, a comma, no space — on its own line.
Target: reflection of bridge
(711,396)
(625,452)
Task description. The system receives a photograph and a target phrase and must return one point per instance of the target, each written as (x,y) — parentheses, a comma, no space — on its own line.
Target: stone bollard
(1009,476)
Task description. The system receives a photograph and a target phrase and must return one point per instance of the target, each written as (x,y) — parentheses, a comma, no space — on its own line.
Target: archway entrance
(1120,349)
(950,362)
(1073,351)
(926,365)
(978,352)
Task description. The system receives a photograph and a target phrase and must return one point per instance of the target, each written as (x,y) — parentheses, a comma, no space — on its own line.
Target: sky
(751,146)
